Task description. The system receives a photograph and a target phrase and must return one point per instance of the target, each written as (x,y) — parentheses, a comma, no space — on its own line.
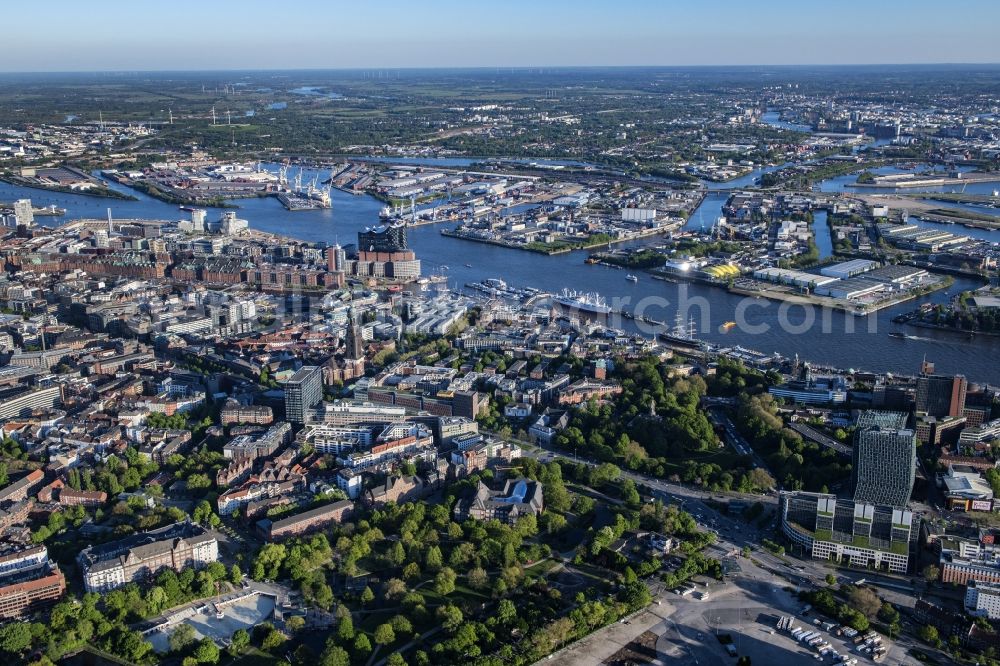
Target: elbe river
(823,337)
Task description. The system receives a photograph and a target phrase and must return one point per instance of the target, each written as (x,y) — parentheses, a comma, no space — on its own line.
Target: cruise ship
(582,302)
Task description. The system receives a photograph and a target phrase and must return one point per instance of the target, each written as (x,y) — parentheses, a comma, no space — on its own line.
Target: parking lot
(742,611)
(745,613)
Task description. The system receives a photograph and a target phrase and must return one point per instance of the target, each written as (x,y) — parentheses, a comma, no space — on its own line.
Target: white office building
(982,599)
(23,212)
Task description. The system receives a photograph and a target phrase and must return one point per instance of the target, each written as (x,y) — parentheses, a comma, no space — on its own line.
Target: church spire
(355,346)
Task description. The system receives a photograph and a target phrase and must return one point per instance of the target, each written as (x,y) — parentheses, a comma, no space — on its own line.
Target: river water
(772,118)
(824,337)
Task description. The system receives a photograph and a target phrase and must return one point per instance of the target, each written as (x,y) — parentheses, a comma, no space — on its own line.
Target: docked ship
(51,210)
(295,201)
(299,197)
(682,334)
(495,283)
(494,287)
(399,212)
(584,302)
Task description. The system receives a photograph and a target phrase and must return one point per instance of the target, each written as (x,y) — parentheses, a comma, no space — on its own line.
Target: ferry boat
(582,301)
(631,278)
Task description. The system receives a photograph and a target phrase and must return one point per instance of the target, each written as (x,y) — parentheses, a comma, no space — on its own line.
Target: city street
(764,575)
(744,609)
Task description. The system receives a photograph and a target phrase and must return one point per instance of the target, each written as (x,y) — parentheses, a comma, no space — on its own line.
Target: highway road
(735,439)
(670,492)
(820,438)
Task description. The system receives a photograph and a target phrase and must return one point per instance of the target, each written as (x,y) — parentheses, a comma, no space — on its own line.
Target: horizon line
(401,68)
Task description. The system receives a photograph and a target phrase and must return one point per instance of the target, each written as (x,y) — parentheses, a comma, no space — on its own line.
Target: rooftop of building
(302,374)
(306,516)
(882,420)
(143,544)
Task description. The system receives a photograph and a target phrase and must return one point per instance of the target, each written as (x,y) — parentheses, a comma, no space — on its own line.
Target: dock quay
(911,180)
(772,292)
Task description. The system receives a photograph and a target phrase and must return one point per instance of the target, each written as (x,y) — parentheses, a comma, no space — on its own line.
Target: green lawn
(461,593)
(253,657)
(541,569)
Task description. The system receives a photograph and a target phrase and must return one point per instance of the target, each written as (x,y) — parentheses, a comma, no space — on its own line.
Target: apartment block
(141,556)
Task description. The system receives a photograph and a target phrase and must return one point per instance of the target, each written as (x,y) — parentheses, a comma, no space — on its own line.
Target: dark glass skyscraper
(941,395)
(303,391)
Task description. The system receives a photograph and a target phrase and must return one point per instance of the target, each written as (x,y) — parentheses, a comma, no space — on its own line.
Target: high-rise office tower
(302,392)
(336,258)
(941,395)
(24,213)
(885,459)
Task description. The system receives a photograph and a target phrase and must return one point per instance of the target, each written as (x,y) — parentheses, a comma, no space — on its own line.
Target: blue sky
(65,35)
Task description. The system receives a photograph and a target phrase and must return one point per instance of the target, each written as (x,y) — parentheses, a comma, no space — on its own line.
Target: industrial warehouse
(860,284)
